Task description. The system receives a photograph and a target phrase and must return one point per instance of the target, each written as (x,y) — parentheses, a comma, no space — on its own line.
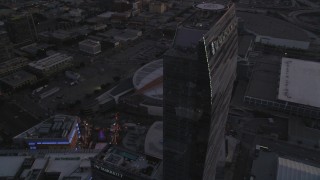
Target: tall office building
(199,71)
(5,47)
(21,29)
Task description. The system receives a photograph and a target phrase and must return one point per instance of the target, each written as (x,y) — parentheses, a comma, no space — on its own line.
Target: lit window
(213,48)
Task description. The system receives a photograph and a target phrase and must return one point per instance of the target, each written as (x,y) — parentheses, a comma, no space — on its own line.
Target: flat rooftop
(13,62)
(202,18)
(107,14)
(56,127)
(70,164)
(64,164)
(265,76)
(269,166)
(89,42)
(17,78)
(299,82)
(50,61)
(128,161)
(293,170)
(269,26)
(10,165)
(265,166)
(210,6)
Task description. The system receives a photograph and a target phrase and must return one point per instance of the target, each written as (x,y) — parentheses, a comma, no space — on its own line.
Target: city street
(290,150)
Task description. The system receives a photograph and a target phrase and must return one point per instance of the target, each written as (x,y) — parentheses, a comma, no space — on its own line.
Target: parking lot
(14,120)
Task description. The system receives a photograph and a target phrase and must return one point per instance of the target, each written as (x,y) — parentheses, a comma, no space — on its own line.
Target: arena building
(148,85)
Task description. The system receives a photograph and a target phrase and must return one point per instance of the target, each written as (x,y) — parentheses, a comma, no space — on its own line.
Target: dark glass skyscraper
(199,71)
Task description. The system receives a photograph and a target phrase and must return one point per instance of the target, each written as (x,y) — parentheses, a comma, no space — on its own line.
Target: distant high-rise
(199,72)
(5,46)
(21,29)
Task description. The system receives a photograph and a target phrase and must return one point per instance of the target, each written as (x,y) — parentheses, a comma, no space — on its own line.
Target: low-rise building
(35,49)
(121,5)
(57,132)
(99,27)
(51,64)
(72,75)
(157,7)
(293,91)
(42,164)
(120,17)
(76,12)
(106,43)
(117,163)
(17,80)
(270,166)
(274,32)
(121,35)
(90,46)
(107,15)
(13,65)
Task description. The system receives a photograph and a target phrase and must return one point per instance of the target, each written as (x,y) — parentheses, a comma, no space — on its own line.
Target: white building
(18,80)
(269,166)
(90,46)
(294,91)
(157,7)
(121,35)
(45,164)
(299,82)
(51,64)
(99,27)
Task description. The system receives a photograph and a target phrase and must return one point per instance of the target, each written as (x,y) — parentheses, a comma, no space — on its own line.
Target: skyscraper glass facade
(199,71)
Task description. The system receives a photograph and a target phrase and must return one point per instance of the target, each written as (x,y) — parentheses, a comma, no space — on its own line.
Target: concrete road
(291,150)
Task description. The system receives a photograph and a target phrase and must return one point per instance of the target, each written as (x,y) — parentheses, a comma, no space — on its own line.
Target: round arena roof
(154,140)
(148,80)
(210,6)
